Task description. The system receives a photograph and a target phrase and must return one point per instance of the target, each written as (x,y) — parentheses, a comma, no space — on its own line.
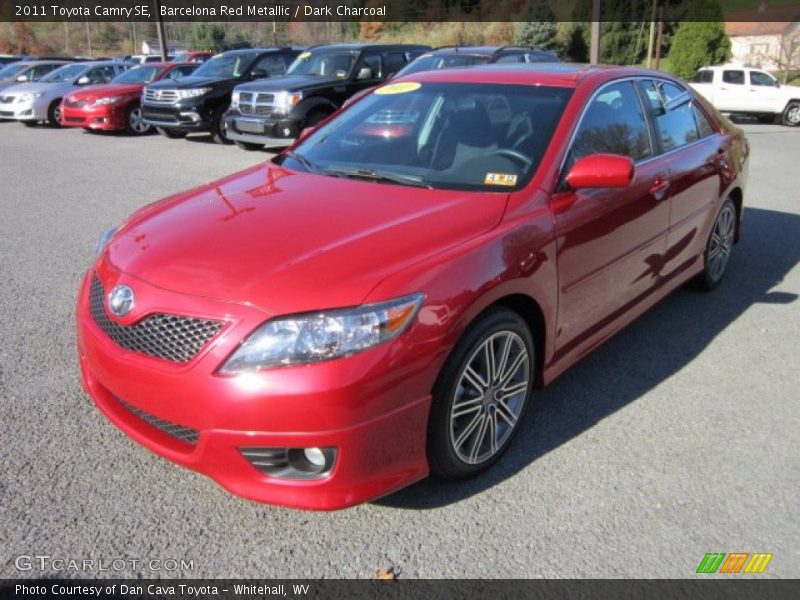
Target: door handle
(659,187)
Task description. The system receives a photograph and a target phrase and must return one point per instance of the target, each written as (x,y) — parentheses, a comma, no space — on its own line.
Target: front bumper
(187,118)
(24,111)
(110,117)
(272,131)
(372,407)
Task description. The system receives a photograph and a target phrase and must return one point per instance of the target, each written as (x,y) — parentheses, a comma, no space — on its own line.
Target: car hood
(108,89)
(290,242)
(190,81)
(290,83)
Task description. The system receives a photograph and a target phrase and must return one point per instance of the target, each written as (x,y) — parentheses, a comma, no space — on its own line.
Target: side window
(676,126)
(511,58)
(101,74)
(759,78)
(394,61)
(613,123)
(733,77)
(703,124)
(178,72)
(704,76)
(373,61)
(274,65)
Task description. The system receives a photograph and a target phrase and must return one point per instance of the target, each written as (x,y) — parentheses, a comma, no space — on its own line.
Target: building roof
(748,28)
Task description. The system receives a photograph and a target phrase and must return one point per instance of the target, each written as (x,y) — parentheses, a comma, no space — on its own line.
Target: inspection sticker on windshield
(399,88)
(508,179)
(304,55)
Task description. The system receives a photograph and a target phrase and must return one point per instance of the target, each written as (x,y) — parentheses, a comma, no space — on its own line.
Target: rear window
(704,76)
(733,77)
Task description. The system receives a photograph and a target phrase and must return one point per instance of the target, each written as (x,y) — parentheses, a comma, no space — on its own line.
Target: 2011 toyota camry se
(380,301)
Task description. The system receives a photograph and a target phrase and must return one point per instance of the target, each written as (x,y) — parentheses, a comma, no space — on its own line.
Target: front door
(610,241)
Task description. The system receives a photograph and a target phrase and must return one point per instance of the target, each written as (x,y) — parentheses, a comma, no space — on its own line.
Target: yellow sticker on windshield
(304,55)
(508,179)
(399,88)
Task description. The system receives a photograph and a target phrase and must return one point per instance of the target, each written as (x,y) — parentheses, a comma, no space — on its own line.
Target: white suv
(742,90)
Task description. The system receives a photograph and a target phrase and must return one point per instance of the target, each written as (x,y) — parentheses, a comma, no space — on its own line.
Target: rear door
(692,151)
(608,239)
(731,94)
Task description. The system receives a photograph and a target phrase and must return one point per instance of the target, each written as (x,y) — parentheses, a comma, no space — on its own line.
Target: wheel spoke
(506,413)
(476,445)
(488,356)
(513,390)
(501,366)
(512,370)
(464,407)
(475,379)
(477,421)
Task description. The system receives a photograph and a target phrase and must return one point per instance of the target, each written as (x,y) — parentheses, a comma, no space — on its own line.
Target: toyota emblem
(120,300)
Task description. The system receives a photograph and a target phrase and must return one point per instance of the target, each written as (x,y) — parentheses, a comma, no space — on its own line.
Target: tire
(718,247)
(315,117)
(30,123)
(248,146)
(172,134)
(791,116)
(54,113)
(470,425)
(218,128)
(133,121)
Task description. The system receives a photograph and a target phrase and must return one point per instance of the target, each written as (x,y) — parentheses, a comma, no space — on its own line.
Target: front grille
(75,119)
(185,434)
(156,115)
(6,99)
(160,96)
(251,103)
(6,113)
(75,103)
(170,337)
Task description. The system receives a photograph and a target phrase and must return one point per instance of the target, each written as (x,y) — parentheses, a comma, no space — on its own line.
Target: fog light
(315,456)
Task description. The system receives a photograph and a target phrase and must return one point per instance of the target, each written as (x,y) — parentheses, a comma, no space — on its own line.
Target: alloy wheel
(721,242)
(489,397)
(136,123)
(793,115)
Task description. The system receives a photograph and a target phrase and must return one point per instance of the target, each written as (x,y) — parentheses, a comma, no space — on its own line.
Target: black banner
(734,588)
(390,10)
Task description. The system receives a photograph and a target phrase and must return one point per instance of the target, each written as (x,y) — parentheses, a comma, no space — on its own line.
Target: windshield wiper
(373,175)
(307,164)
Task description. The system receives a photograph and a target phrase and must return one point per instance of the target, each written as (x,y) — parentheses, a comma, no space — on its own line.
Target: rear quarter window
(704,76)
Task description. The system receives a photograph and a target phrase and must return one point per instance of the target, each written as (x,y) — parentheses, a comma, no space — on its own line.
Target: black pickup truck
(199,102)
(321,79)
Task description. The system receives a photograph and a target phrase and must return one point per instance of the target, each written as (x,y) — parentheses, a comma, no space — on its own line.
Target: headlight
(193,92)
(30,97)
(235,100)
(109,100)
(314,337)
(286,101)
(104,239)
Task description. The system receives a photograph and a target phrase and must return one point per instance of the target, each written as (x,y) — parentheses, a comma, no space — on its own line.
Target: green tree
(537,26)
(205,36)
(698,43)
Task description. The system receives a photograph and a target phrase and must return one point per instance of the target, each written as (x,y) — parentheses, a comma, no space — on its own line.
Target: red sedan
(114,106)
(382,300)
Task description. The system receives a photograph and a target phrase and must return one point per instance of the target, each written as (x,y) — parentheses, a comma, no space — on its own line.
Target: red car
(114,106)
(382,299)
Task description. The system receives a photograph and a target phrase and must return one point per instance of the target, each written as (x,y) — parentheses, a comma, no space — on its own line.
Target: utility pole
(594,51)
(659,36)
(162,38)
(652,37)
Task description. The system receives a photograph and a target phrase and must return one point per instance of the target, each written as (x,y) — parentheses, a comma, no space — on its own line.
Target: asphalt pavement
(680,436)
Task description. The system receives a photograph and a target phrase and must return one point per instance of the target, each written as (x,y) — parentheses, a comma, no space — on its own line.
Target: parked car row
(253,97)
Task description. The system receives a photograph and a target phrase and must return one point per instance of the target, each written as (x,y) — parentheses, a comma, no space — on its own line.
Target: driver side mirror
(600,171)
(364,73)
(84,80)
(22,79)
(258,74)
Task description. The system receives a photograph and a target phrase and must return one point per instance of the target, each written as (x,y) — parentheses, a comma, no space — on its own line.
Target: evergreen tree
(696,44)
(204,36)
(537,26)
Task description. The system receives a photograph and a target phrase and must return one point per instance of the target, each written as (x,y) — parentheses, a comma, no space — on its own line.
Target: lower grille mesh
(170,337)
(179,432)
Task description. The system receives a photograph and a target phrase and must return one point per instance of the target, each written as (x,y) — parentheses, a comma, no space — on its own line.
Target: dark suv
(466,56)
(199,102)
(316,85)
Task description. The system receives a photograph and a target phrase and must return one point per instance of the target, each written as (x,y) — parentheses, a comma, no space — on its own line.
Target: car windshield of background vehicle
(431,62)
(463,136)
(138,75)
(11,70)
(323,64)
(67,73)
(226,66)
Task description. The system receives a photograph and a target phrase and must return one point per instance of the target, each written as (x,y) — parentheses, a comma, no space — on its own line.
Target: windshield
(138,75)
(429,62)
(12,70)
(323,64)
(67,73)
(440,135)
(226,66)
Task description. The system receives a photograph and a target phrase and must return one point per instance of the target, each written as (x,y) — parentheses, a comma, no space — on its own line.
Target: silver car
(41,100)
(27,71)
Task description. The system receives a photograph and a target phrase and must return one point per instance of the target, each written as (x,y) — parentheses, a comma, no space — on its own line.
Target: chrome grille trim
(170,337)
(187,435)
(160,96)
(252,103)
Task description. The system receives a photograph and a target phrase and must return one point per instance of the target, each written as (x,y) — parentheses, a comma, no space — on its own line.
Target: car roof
(262,50)
(554,74)
(362,46)
(484,50)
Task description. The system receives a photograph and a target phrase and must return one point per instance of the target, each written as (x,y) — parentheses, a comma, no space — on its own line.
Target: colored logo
(735,562)
(120,300)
